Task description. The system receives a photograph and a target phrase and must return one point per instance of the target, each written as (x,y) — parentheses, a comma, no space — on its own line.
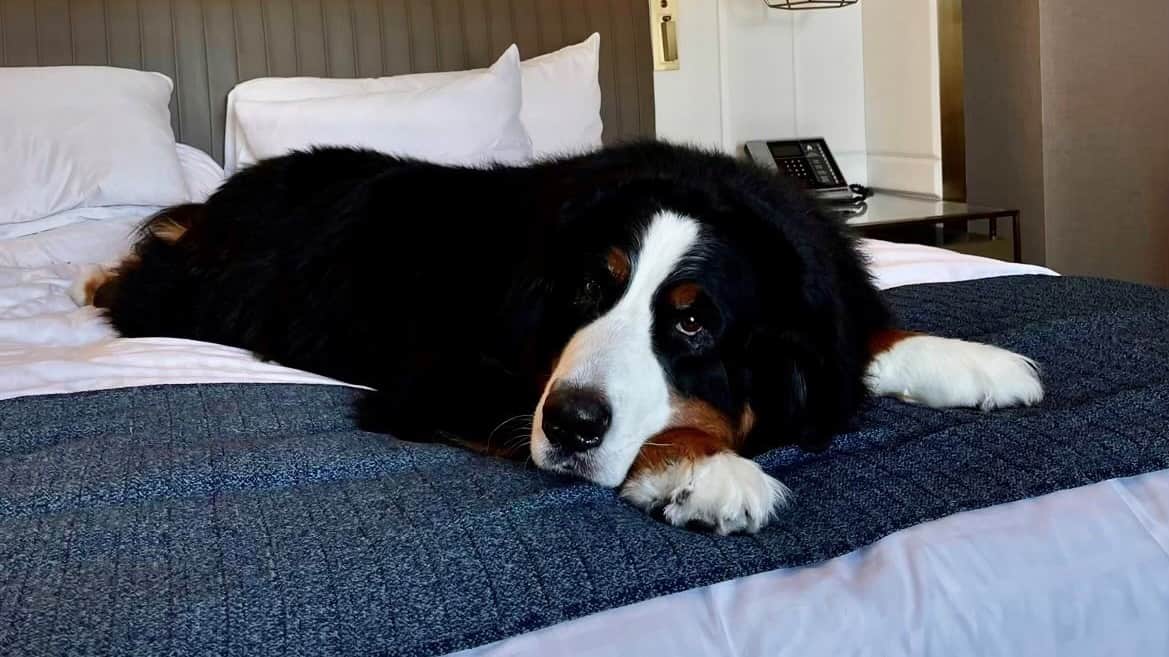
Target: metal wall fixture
(663,15)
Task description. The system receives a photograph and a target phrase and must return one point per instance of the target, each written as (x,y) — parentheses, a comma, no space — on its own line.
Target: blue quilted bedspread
(257,520)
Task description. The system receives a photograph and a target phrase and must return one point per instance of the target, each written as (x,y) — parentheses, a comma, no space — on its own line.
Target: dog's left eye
(689,326)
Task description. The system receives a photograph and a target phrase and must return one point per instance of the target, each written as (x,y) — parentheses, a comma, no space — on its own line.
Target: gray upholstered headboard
(207,46)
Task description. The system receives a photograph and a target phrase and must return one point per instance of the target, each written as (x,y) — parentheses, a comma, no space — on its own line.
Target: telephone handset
(810,162)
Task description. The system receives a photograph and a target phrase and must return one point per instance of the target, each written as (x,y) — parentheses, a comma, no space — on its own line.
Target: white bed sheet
(894,265)
(1084,571)
(48,345)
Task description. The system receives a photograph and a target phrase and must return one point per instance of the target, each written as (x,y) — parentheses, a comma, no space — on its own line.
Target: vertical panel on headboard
(89,36)
(208,46)
(450,34)
(340,45)
(367,39)
(551,20)
(52,31)
(399,42)
(250,35)
(122,25)
(599,20)
(421,25)
(477,33)
(220,35)
(193,87)
(309,38)
(19,32)
(279,37)
(526,18)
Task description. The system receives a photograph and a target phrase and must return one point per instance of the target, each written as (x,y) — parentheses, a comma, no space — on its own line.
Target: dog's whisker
(516,442)
(506,422)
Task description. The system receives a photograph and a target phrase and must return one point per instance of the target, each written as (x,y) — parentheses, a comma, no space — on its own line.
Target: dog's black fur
(453,290)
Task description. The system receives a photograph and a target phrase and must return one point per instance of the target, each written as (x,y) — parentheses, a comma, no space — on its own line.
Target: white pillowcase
(41,176)
(202,173)
(471,119)
(84,135)
(561,99)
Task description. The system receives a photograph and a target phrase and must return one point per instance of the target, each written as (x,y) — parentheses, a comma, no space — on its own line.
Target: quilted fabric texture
(256,520)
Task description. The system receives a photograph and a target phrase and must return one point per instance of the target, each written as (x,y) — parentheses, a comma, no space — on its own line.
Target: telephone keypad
(806,160)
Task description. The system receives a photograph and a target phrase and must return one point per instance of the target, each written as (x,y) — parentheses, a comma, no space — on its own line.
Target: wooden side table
(887,209)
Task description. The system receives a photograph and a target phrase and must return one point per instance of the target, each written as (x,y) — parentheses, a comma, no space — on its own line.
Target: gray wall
(1106,137)
(1068,118)
(1004,121)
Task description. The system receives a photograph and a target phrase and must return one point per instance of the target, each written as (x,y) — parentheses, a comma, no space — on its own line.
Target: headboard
(207,46)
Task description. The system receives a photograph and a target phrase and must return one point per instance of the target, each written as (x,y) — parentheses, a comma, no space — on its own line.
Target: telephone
(810,162)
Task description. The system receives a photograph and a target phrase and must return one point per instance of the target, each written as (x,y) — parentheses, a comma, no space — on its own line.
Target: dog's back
(353,264)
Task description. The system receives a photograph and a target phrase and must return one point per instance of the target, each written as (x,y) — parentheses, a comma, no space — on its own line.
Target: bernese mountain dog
(645,316)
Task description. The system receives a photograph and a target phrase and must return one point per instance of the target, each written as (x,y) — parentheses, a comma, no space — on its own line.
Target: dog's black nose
(575,418)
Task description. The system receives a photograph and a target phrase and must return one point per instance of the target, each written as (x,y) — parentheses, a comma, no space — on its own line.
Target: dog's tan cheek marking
(697,430)
(619,265)
(674,445)
(696,414)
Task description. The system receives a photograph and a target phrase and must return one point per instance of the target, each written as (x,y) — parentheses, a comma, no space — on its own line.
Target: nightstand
(890,212)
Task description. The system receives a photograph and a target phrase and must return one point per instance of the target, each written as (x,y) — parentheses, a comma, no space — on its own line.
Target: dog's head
(717,306)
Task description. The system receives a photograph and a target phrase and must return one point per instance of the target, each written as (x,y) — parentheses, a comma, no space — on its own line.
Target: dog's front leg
(690,477)
(948,373)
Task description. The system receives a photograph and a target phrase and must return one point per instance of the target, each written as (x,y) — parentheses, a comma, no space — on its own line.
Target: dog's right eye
(590,294)
(690,326)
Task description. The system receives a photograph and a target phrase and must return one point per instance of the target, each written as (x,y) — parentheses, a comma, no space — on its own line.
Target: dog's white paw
(726,492)
(948,373)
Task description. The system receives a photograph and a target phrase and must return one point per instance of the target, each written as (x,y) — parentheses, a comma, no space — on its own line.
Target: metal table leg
(1016,238)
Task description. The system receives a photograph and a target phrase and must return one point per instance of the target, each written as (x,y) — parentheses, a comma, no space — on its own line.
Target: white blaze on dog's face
(609,391)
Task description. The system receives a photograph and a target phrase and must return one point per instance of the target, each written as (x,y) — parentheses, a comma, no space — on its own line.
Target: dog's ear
(797,391)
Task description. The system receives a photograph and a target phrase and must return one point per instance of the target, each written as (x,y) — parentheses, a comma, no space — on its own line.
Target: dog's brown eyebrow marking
(684,295)
(619,264)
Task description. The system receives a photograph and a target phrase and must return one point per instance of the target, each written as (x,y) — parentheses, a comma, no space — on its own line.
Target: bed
(162,495)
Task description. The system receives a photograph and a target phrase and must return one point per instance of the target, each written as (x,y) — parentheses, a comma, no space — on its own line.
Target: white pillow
(561,99)
(202,173)
(471,119)
(40,176)
(84,135)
